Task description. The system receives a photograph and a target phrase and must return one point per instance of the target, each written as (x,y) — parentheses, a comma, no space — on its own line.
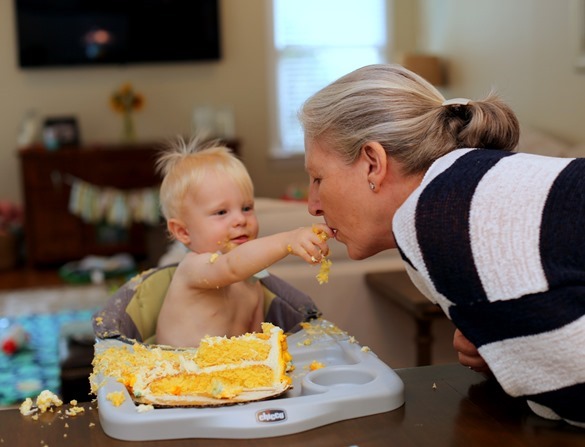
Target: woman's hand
(468,353)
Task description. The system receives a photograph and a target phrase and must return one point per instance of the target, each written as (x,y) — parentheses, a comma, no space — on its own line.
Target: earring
(372,186)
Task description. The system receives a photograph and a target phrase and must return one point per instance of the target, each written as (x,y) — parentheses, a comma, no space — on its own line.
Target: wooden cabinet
(53,235)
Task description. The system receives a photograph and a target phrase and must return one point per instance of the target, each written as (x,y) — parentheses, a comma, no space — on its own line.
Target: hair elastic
(456,101)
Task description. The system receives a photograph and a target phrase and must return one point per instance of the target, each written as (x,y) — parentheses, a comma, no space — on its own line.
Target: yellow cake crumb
(322,235)
(47,400)
(229,245)
(116,397)
(26,408)
(323,275)
(99,321)
(213,258)
(74,411)
(316,365)
(289,248)
(365,349)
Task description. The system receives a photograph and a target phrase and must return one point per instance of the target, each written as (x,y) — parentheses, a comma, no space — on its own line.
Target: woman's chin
(358,253)
(355,254)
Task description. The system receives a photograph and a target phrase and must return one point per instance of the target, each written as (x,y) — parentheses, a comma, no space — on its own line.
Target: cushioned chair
(132,311)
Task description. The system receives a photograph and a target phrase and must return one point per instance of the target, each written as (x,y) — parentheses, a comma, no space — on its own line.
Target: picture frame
(61,132)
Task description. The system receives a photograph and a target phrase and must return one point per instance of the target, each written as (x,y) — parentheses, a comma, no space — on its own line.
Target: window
(316,42)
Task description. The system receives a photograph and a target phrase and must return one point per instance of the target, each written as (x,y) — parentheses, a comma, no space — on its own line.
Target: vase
(128,130)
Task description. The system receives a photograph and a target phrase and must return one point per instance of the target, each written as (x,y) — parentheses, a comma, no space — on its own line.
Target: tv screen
(105,32)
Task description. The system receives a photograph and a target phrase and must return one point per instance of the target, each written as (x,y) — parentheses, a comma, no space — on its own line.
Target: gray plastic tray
(353,383)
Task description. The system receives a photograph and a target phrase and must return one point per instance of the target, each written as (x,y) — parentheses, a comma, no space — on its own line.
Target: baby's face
(218,215)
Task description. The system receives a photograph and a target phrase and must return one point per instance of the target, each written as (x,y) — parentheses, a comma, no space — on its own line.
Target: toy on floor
(14,340)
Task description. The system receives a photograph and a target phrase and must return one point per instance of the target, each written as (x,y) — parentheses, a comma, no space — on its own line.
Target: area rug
(44,315)
(35,367)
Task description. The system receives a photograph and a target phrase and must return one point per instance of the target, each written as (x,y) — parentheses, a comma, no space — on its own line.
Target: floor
(22,278)
(25,291)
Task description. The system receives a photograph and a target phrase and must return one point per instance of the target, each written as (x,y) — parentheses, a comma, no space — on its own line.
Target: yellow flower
(126,99)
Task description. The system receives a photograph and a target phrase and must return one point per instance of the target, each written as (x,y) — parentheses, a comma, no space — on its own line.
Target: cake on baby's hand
(221,371)
(323,275)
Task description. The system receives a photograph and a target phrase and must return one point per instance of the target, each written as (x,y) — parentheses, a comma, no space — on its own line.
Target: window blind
(316,42)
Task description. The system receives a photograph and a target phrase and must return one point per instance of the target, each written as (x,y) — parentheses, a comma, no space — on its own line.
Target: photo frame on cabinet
(60,132)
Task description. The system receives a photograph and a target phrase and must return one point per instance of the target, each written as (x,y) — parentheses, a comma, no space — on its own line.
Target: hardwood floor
(23,278)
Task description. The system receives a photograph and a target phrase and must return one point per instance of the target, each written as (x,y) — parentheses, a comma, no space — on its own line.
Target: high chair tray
(352,383)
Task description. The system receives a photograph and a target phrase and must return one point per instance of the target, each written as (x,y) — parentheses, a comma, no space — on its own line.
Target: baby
(207,199)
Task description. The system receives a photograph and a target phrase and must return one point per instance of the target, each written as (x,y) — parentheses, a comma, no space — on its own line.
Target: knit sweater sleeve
(497,240)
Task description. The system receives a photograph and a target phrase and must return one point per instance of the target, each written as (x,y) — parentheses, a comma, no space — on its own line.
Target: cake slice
(221,371)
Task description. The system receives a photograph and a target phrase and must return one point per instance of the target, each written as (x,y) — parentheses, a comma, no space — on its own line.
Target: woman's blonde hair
(405,114)
(183,166)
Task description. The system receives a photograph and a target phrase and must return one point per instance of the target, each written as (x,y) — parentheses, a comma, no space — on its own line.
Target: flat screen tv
(53,33)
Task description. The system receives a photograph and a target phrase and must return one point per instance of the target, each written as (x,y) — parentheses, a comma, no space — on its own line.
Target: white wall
(522,48)
(171,91)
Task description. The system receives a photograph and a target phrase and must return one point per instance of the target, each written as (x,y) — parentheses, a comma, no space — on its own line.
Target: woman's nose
(314,205)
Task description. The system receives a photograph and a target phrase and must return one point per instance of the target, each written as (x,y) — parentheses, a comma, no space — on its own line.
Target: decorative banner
(96,204)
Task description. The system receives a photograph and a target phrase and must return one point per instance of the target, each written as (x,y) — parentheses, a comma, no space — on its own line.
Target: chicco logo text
(271,415)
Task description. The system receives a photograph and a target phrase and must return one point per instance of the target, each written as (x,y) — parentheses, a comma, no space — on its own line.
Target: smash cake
(221,371)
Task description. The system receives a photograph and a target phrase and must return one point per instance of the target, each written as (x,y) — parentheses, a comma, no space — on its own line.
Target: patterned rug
(35,367)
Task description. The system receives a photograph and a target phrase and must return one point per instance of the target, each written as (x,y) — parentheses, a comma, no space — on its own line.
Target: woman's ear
(377,162)
(179,231)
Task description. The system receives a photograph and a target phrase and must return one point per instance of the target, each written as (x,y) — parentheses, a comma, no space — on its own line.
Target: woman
(492,236)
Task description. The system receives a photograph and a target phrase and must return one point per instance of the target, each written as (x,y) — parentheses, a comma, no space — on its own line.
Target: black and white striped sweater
(497,239)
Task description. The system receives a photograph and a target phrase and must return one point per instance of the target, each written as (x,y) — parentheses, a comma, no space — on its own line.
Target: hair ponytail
(491,125)
(406,115)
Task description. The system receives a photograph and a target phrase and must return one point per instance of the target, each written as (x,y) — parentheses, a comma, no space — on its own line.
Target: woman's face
(341,194)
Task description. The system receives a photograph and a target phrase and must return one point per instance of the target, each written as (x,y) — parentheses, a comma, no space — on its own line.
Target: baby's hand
(310,243)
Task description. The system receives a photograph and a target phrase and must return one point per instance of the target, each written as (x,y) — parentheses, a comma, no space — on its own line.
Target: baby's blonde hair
(184,164)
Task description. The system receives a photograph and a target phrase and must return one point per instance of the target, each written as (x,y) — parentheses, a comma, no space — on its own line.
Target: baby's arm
(212,270)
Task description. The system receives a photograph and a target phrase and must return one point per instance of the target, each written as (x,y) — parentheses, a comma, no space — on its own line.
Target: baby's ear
(179,231)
